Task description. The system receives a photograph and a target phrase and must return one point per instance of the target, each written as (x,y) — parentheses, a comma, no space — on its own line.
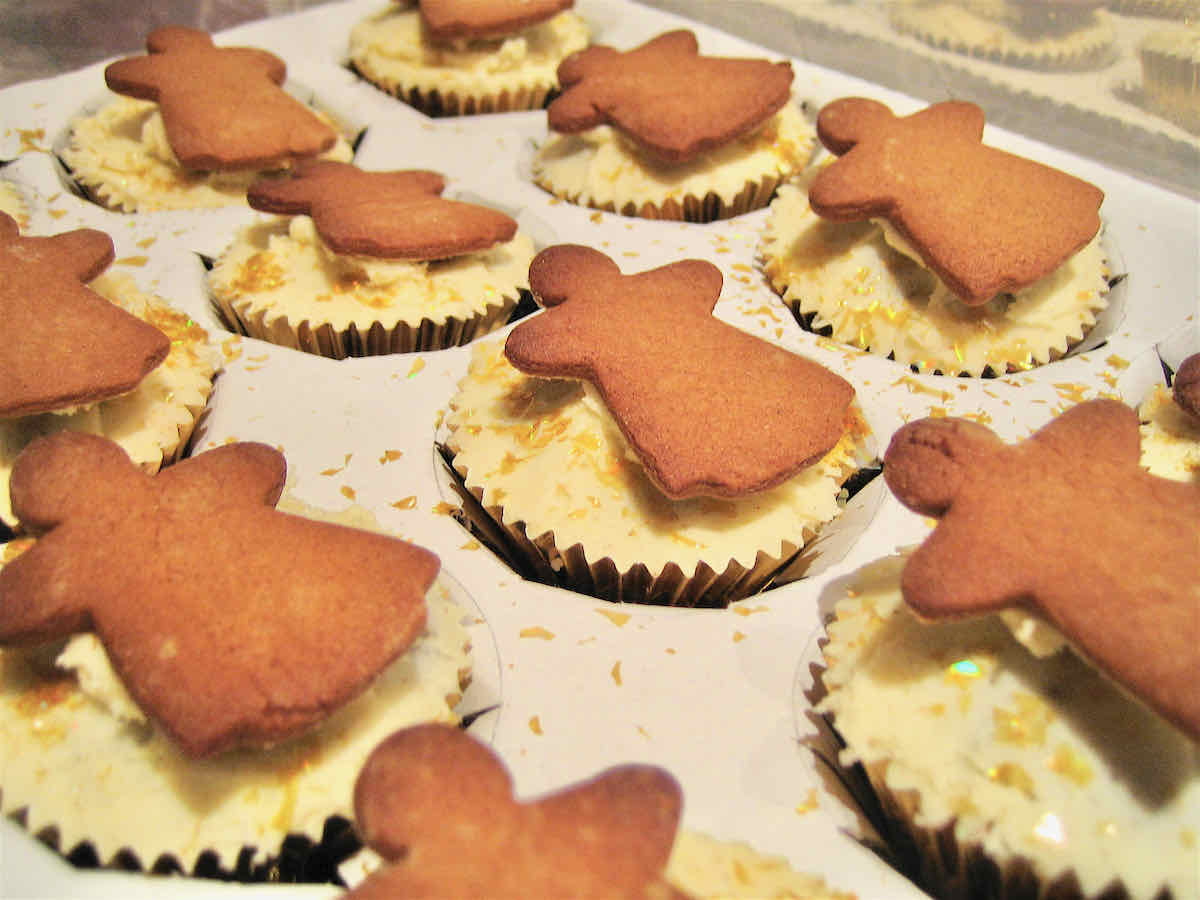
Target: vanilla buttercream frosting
(549,454)
(1040,758)
(74,749)
(12,203)
(604,169)
(711,869)
(1170,437)
(151,423)
(517,71)
(279,281)
(121,156)
(850,279)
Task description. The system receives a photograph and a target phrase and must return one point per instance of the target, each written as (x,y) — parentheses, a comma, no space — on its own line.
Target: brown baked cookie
(228,622)
(1186,386)
(223,107)
(708,408)
(450,20)
(985,221)
(1068,524)
(64,345)
(391,215)
(665,96)
(439,807)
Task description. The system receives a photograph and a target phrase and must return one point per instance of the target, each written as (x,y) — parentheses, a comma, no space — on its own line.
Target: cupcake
(360,263)
(1170,60)
(627,445)
(663,132)
(1045,678)
(428,793)
(1171,425)
(921,244)
(193,127)
(239,713)
(449,58)
(102,356)
(1043,34)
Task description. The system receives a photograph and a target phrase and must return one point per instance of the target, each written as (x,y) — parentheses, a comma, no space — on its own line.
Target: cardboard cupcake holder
(565,685)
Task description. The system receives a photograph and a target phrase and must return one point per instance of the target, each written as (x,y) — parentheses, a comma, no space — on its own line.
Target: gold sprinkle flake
(1117,362)
(1067,763)
(133,261)
(333,471)
(537,631)
(232,348)
(617,618)
(147,243)
(30,138)
(56,213)
(390,456)
(810,802)
(444,509)
(596,217)
(738,637)
(409,502)
(348,492)
(616,673)
(417,366)
(535,725)
(471,545)
(750,610)
(1013,776)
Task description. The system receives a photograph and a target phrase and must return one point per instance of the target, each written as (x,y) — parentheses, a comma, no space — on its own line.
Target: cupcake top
(1180,42)
(67,346)
(985,221)
(666,97)
(1086,527)
(1171,425)
(243,658)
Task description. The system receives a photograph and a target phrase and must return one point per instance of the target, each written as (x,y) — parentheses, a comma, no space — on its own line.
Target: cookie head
(223,107)
(229,623)
(668,98)
(65,345)
(389,215)
(1066,524)
(707,408)
(986,222)
(1186,387)
(451,20)
(438,806)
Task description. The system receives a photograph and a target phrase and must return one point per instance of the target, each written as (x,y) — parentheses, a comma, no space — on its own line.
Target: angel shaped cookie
(223,107)
(983,220)
(666,96)
(708,408)
(439,807)
(389,215)
(1067,524)
(449,20)
(228,622)
(65,345)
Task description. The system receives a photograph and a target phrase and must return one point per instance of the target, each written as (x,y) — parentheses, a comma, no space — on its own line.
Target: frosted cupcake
(107,359)
(195,126)
(1170,60)
(1050,723)
(427,792)
(725,492)
(364,263)
(1047,34)
(454,58)
(662,132)
(1171,426)
(939,279)
(84,727)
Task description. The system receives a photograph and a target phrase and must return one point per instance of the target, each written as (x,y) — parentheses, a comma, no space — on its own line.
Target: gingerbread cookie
(389,215)
(1100,547)
(439,806)
(218,653)
(708,408)
(985,221)
(67,345)
(452,20)
(223,107)
(665,96)
(1186,387)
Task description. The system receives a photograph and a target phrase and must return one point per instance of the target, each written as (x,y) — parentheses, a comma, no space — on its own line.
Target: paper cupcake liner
(374,339)
(439,103)
(1089,46)
(690,208)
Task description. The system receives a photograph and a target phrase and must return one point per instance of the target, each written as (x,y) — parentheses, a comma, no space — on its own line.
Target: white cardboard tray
(715,696)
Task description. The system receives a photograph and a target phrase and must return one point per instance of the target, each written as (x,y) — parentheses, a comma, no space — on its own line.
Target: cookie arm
(39,596)
(927,460)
